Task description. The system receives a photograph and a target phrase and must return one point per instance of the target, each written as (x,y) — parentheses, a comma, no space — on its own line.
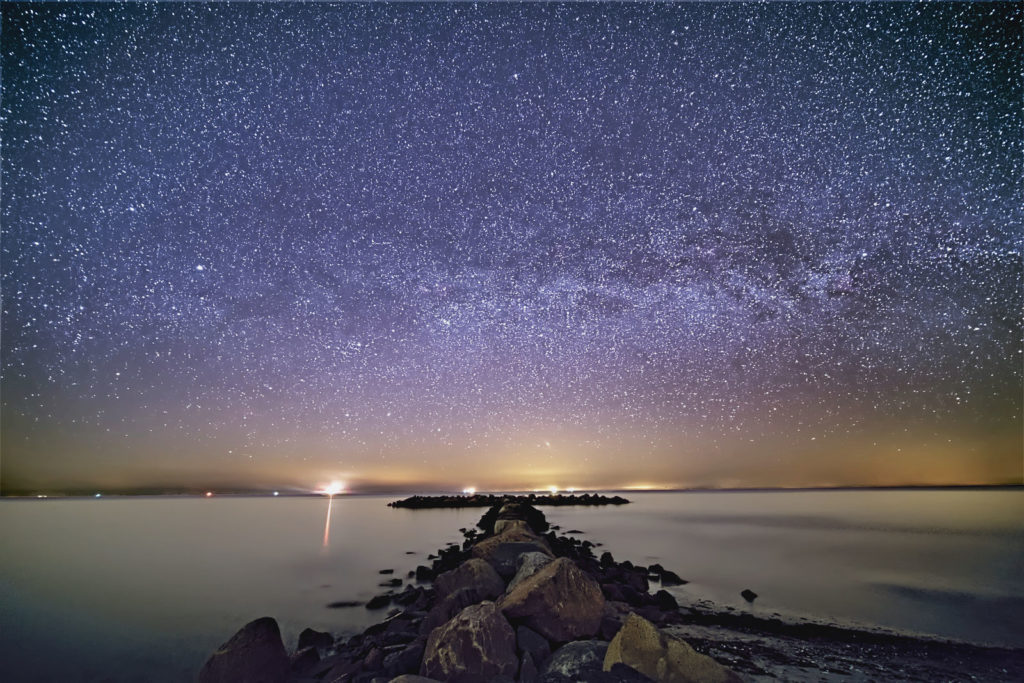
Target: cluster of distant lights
(337,488)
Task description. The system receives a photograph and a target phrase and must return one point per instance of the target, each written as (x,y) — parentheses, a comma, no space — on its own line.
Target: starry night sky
(511,245)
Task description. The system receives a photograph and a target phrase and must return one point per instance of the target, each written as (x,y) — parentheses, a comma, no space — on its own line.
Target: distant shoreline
(77,494)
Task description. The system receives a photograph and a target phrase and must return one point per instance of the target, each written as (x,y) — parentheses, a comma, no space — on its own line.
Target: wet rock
(478,645)
(304,660)
(386,571)
(340,604)
(613,591)
(318,639)
(473,573)
(559,602)
(408,596)
(424,573)
(665,601)
(390,583)
(407,660)
(670,578)
(527,565)
(412,678)
(574,660)
(640,645)
(379,601)
(253,655)
(748,595)
(529,642)
(607,560)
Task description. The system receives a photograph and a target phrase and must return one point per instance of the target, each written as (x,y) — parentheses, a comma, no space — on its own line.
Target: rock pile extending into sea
(519,603)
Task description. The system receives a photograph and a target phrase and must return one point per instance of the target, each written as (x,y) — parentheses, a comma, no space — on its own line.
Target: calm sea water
(144,589)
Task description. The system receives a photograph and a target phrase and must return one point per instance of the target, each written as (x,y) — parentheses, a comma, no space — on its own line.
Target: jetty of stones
(518,603)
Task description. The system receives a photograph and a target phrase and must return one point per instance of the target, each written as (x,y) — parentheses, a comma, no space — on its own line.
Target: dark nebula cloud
(504,244)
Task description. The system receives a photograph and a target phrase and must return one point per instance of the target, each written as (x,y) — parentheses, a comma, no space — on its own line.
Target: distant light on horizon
(333,489)
(276,493)
(209,494)
(99,495)
(469,491)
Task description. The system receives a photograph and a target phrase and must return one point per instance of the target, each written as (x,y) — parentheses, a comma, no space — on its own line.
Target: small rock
(476,646)
(665,601)
(424,573)
(318,639)
(378,601)
(255,654)
(386,571)
(607,560)
(640,645)
(748,595)
(527,669)
(344,603)
(407,660)
(670,578)
(391,583)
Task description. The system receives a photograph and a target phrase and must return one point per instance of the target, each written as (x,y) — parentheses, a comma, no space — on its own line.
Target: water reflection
(327,524)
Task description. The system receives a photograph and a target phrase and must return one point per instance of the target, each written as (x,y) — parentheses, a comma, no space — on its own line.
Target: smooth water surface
(947,563)
(144,589)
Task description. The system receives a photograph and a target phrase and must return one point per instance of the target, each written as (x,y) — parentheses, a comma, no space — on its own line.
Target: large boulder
(477,646)
(574,660)
(503,550)
(253,655)
(558,601)
(447,607)
(527,565)
(640,645)
(473,573)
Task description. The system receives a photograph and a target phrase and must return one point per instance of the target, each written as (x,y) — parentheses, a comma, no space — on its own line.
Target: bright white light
(469,491)
(99,495)
(209,494)
(334,488)
(200,267)
(276,493)
(553,489)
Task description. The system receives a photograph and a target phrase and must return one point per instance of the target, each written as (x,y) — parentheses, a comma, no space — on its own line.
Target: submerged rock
(476,646)
(558,601)
(748,595)
(255,654)
(641,646)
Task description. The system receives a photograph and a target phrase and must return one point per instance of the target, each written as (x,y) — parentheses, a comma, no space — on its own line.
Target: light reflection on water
(144,589)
